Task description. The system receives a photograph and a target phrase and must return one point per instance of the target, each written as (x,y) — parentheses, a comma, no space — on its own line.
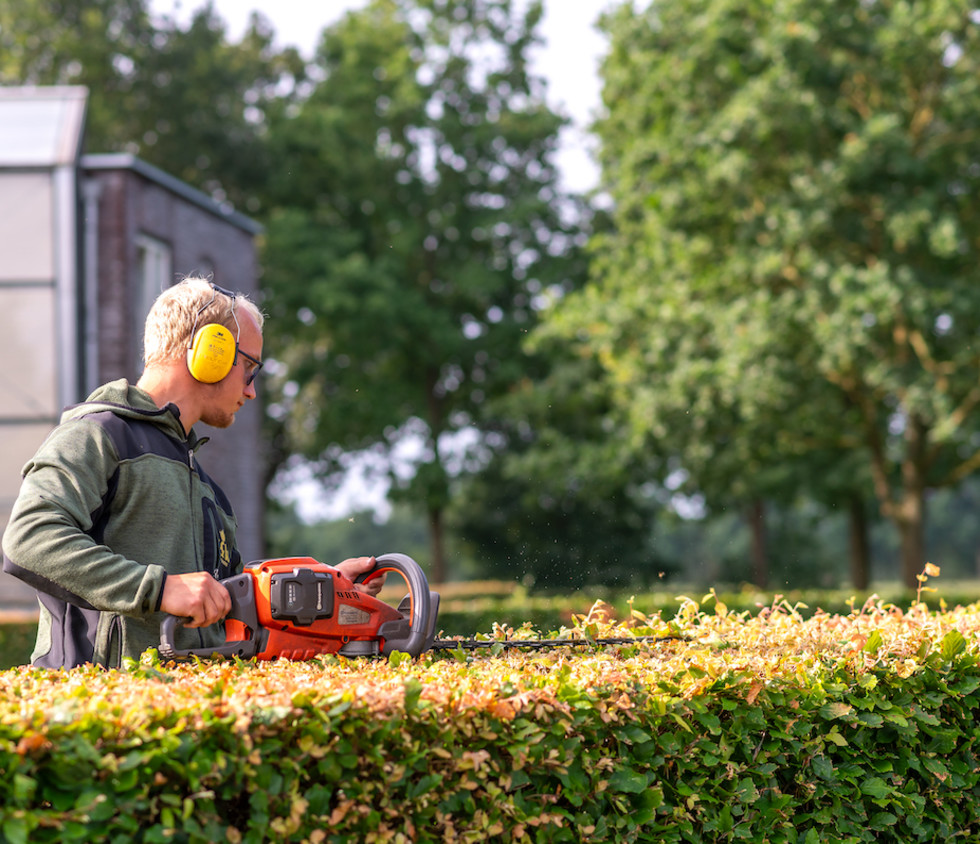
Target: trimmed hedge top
(714,649)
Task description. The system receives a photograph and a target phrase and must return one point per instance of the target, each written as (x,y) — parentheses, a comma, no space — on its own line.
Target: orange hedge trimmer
(298,608)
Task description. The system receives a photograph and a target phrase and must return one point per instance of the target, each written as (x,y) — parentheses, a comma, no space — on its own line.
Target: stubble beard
(218,418)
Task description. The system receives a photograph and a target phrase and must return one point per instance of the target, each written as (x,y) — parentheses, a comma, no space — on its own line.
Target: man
(116,523)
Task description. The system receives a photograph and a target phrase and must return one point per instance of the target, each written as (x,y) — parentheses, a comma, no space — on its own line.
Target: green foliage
(185,100)
(466,608)
(16,643)
(786,294)
(783,284)
(416,221)
(563,500)
(332,542)
(860,728)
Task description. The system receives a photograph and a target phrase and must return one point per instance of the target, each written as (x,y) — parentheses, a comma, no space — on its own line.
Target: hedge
(766,727)
(476,606)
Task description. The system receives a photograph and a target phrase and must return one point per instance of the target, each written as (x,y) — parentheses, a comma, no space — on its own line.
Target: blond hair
(182,309)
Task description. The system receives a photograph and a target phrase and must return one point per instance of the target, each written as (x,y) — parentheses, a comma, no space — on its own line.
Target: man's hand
(197,596)
(362,565)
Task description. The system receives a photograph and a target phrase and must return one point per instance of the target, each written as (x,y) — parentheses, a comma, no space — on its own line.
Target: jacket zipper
(198,552)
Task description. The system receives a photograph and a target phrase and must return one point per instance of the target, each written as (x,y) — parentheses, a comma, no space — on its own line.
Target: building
(86,244)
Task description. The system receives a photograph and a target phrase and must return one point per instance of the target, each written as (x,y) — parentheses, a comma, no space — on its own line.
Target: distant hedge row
(464,609)
(16,642)
(856,728)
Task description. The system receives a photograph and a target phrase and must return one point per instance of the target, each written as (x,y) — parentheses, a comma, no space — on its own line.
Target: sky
(568,60)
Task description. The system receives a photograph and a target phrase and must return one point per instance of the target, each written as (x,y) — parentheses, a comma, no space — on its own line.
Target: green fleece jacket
(112,502)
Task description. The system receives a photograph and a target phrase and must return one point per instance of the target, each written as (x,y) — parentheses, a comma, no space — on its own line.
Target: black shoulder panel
(133,437)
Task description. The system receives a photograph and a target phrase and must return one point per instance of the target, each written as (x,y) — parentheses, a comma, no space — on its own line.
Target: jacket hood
(129,401)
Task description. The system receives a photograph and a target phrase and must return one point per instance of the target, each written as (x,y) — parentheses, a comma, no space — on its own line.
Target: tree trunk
(907,510)
(438,569)
(859,545)
(760,561)
(912,508)
(911,531)
(436,488)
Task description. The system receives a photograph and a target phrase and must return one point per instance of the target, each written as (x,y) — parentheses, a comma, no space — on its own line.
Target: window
(154,267)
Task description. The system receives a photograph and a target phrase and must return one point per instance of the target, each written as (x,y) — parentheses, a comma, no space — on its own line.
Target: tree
(562,501)
(200,105)
(59,42)
(791,269)
(417,219)
(185,100)
(331,542)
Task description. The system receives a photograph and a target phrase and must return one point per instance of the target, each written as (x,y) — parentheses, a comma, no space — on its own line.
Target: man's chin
(222,421)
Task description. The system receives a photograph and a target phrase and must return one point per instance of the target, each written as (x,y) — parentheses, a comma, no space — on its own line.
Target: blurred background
(665,292)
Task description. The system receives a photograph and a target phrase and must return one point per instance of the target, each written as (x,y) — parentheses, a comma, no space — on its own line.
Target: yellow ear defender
(211,355)
(213,350)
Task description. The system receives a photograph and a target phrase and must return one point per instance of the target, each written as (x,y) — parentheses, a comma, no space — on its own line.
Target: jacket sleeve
(49,541)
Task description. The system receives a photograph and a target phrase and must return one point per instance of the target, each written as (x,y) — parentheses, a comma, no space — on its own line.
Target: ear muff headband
(213,350)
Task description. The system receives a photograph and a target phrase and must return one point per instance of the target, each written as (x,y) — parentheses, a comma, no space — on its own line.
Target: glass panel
(26,226)
(154,275)
(28,378)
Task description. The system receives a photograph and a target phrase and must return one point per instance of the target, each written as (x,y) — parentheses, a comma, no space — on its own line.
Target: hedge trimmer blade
(542,644)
